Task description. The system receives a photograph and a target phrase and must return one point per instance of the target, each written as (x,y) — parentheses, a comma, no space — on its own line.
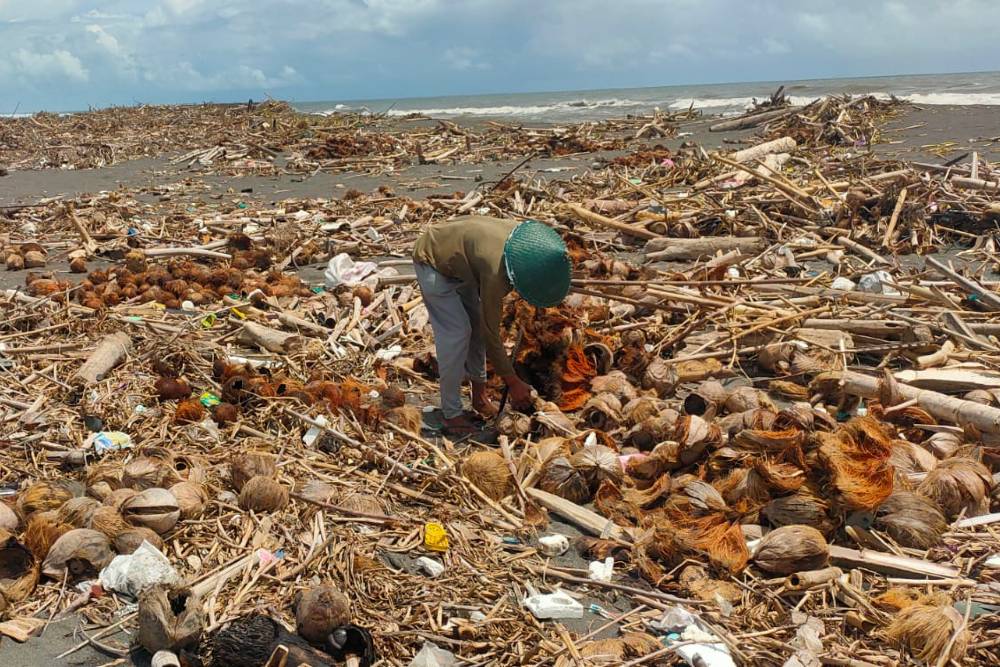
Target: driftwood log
(663,249)
(269,339)
(752,120)
(110,351)
(940,406)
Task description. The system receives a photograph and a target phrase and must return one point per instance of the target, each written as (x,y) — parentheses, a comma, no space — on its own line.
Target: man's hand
(519,392)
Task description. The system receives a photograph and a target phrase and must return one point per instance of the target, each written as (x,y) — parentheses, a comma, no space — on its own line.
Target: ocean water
(727,99)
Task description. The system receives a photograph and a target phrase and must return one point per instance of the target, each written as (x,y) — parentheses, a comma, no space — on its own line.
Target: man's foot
(459,426)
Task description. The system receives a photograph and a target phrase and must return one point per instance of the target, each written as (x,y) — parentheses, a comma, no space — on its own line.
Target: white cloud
(774,47)
(59,64)
(105,39)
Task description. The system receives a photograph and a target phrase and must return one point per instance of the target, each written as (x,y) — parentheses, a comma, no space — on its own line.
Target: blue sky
(71,54)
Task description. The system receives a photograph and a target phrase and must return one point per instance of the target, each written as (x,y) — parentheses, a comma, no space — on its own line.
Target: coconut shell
(78,265)
(41,497)
(189,411)
(245,466)
(263,494)
(319,611)
(792,549)
(42,531)
(119,497)
(489,472)
(957,485)
(156,509)
(170,619)
(602,412)
(615,383)
(9,520)
(18,571)
(129,540)
(82,552)
(192,498)
(171,389)
(108,521)
(911,519)
(77,511)
(639,409)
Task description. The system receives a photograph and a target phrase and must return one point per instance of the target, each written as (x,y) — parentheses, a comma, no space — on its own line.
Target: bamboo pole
(608,223)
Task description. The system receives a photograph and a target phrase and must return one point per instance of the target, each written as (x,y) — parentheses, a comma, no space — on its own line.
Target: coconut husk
(189,411)
(191,468)
(857,457)
(597,463)
(791,549)
(77,511)
(908,458)
(42,531)
(170,619)
(407,417)
(801,508)
(694,579)
(642,408)
(943,444)
(108,521)
(156,509)
(603,651)
(560,477)
(652,431)
(695,497)
(706,399)
(81,552)
(250,465)
(18,571)
(797,415)
(615,383)
(602,412)
(42,496)
(742,399)
(147,472)
(958,485)
(694,436)
(742,488)
(514,424)
(911,519)
(318,611)
(9,520)
(192,498)
(129,540)
(792,391)
(363,502)
(489,472)
(927,632)
(104,472)
(263,494)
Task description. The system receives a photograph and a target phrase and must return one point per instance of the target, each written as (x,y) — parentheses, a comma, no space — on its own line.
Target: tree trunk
(947,408)
(780,145)
(110,352)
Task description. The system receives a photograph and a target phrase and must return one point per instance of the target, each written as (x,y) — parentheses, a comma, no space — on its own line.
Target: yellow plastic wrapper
(435,537)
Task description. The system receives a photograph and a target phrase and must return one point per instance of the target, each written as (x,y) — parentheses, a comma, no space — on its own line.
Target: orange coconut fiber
(575,378)
(857,456)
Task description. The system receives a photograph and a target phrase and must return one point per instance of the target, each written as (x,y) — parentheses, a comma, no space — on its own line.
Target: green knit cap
(537,264)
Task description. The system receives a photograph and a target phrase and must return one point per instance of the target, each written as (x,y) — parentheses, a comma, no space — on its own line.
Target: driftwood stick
(694,249)
(110,351)
(608,223)
(991,299)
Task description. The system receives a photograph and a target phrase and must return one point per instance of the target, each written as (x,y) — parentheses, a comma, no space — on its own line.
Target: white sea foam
(957,99)
(523,110)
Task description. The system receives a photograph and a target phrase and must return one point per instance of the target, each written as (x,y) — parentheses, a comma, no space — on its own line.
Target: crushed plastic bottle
(552,605)
(553,545)
(877,282)
(602,570)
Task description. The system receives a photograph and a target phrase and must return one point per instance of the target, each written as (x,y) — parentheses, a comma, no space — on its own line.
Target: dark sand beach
(916,134)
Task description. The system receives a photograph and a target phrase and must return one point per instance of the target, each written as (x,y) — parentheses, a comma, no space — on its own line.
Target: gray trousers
(454,311)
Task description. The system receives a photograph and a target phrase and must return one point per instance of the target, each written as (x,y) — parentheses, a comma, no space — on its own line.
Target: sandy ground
(912,136)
